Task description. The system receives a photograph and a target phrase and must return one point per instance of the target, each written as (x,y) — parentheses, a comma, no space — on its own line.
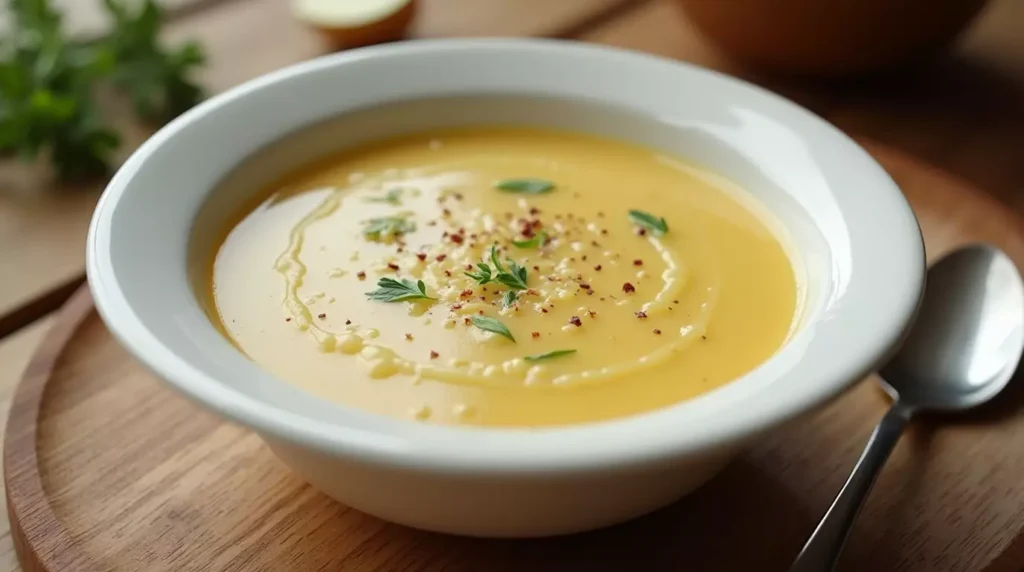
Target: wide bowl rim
(559,449)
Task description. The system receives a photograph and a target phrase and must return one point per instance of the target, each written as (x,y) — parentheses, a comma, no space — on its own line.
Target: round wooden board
(107,469)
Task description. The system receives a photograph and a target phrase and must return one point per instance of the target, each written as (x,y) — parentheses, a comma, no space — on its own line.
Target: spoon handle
(822,549)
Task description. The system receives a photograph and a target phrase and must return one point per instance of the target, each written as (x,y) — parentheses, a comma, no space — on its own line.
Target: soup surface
(504,276)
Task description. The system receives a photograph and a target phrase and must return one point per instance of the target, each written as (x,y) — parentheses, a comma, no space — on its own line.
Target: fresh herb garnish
(536,242)
(393,196)
(525,186)
(483,276)
(386,228)
(655,224)
(491,325)
(514,276)
(509,299)
(391,290)
(549,355)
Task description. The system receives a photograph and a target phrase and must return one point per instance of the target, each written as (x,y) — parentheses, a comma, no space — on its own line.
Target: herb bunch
(50,84)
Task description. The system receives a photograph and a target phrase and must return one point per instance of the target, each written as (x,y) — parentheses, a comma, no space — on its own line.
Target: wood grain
(15,352)
(108,470)
(49,223)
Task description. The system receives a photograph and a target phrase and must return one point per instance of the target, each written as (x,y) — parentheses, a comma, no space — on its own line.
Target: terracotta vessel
(835,38)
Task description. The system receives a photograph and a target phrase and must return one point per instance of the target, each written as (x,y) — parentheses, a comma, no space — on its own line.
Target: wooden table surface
(964,114)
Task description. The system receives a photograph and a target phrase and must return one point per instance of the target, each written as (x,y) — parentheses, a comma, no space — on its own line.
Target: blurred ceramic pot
(833,38)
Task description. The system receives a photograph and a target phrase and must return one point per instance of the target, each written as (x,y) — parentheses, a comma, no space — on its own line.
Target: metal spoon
(961,352)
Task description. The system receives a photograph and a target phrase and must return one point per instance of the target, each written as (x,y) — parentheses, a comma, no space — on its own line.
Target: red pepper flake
(483,298)
(456,306)
(535,335)
(448,273)
(592,314)
(628,288)
(441,257)
(457,238)
(657,332)
(584,285)
(598,268)
(433,354)
(393,266)
(638,262)
(544,310)
(531,292)
(641,231)
(348,322)
(575,320)
(466,321)
(422,256)
(361,275)
(408,337)
(536,268)
(469,267)
(465,293)
(641,314)
(481,312)
(321,316)
(287,319)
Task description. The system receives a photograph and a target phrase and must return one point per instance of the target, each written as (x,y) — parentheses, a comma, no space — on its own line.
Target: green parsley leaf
(391,290)
(514,277)
(549,355)
(386,228)
(393,196)
(482,277)
(491,325)
(536,242)
(509,299)
(525,186)
(655,224)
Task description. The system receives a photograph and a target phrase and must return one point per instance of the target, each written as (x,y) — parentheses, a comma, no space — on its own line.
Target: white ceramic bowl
(859,244)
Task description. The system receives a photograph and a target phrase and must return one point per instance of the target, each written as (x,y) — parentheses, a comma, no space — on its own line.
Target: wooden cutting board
(106,469)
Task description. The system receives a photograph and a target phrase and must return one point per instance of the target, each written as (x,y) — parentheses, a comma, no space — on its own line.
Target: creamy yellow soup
(505,277)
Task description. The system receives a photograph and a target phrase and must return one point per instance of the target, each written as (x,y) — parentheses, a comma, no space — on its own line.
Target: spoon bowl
(966,343)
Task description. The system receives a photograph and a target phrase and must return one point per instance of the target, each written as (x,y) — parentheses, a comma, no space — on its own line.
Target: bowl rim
(866,334)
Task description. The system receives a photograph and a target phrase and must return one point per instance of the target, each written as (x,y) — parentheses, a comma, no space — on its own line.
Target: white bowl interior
(858,241)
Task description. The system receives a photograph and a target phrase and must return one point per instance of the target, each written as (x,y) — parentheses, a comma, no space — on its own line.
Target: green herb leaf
(393,196)
(509,299)
(483,276)
(655,224)
(387,228)
(491,325)
(525,186)
(514,277)
(391,290)
(536,242)
(549,355)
